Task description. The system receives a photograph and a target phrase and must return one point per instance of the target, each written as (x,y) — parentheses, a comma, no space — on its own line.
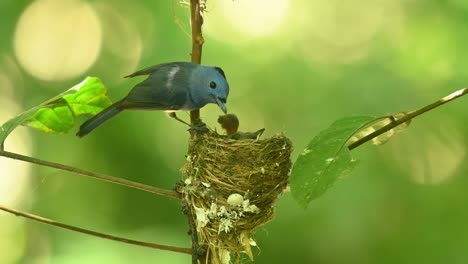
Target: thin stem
(99,176)
(196,20)
(96,234)
(394,123)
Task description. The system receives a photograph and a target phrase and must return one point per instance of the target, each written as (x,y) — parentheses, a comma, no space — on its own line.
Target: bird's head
(211,87)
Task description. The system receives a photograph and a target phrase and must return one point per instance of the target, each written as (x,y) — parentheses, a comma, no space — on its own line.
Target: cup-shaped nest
(231,186)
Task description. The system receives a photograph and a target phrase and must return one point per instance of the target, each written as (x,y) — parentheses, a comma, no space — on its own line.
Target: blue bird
(170,87)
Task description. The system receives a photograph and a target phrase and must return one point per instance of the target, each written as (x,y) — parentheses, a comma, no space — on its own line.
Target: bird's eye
(212,85)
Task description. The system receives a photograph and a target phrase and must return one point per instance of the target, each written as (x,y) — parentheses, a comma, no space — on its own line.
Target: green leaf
(52,120)
(90,98)
(325,160)
(57,115)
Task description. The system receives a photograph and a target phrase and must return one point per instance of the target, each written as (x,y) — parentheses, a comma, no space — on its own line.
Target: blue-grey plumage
(176,86)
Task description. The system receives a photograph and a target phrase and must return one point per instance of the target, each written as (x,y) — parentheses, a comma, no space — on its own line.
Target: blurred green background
(293,66)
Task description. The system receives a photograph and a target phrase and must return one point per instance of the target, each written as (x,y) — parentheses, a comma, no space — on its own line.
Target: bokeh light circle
(122,26)
(57,40)
(341,32)
(15,176)
(228,20)
(256,18)
(433,157)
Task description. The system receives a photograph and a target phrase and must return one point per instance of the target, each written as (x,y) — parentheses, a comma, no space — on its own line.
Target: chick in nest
(230,123)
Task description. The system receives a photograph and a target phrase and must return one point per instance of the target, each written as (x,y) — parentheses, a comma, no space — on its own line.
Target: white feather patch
(171,76)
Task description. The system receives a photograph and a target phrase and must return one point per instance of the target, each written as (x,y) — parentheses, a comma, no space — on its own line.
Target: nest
(230,187)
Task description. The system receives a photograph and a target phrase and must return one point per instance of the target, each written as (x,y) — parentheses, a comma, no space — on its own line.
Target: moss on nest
(231,187)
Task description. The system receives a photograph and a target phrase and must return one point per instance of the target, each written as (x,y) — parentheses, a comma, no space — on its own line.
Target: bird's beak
(221,103)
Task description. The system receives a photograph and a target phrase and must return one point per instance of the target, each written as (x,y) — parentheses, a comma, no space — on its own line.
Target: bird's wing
(157,92)
(152,69)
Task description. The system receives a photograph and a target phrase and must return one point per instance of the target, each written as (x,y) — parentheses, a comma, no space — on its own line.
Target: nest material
(231,187)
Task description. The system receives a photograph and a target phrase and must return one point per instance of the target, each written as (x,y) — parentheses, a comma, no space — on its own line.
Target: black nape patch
(220,71)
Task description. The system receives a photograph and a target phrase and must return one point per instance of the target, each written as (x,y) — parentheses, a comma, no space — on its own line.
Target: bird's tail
(100,118)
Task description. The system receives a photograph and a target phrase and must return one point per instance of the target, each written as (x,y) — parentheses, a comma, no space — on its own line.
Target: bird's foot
(199,127)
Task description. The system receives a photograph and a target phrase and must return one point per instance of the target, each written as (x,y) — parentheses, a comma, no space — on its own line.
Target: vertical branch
(197,252)
(196,20)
